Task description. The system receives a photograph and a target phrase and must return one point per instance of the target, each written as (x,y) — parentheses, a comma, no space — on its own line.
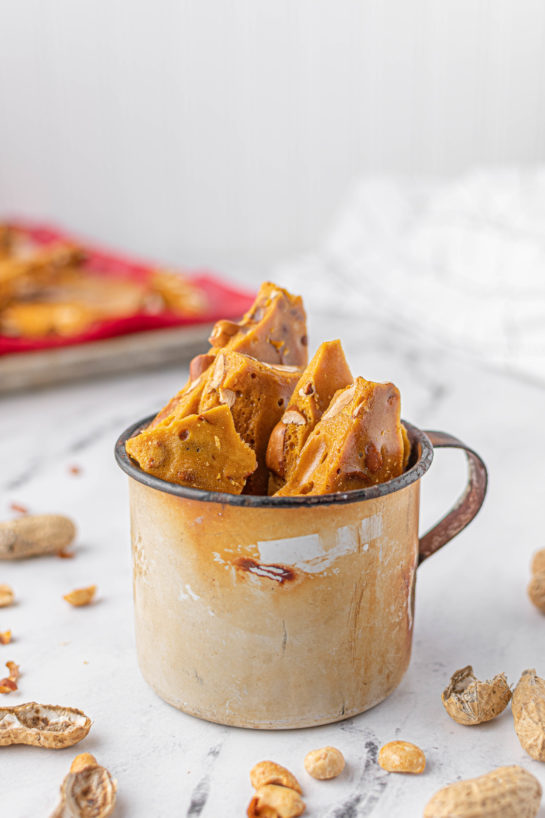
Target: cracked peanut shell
(42,725)
(470,701)
(88,791)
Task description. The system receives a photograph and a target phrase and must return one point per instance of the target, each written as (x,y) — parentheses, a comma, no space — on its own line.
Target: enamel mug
(282,612)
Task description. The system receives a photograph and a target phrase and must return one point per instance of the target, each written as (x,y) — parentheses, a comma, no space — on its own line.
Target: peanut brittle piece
(201,450)
(21,277)
(178,293)
(406,447)
(35,319)
(274,329)
(256,394)
(184,403)
(327,372)
(7,240)
(357,443)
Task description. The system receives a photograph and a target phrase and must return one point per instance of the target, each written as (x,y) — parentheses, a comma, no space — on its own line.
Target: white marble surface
(471,600)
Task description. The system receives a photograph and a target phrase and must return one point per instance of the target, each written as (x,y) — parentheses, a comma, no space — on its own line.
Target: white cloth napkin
(462,262)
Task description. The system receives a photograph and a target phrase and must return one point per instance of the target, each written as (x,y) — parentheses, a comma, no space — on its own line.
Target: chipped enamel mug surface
(273,616)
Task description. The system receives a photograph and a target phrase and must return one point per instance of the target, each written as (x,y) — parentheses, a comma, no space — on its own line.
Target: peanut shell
(89,792)
(469,701)
(42,725)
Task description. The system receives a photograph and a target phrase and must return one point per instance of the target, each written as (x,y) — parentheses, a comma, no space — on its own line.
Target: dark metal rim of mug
(419,462)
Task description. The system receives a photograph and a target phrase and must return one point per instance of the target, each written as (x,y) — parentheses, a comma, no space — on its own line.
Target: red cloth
(223,301)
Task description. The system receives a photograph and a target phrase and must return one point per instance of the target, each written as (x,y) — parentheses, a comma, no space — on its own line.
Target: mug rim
(411,475)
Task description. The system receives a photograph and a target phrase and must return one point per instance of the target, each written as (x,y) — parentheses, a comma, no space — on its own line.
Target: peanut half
(35,534)
(278,792)
(88,791)
(529,714)
(325,763)
(402,757)
(269,772)
(42,725)
(81,596)
(536,588)
(507,792)
(6,596)
(273,801)
(469,701)
(81,761)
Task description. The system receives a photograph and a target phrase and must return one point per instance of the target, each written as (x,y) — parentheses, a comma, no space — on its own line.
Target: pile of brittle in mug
(255,417)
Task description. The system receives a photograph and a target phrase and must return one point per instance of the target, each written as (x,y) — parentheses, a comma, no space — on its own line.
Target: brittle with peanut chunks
(357,443)
(327,372)
(201,450)
(256,393)
(273,331)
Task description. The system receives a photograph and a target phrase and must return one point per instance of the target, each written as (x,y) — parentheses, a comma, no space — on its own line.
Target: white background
(223,133)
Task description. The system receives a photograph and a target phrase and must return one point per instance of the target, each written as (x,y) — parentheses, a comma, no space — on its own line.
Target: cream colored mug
(282,612)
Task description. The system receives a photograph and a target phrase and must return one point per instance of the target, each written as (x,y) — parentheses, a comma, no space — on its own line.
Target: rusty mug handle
(467,505)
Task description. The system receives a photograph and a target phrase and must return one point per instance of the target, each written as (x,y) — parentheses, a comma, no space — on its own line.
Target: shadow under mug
(283,612)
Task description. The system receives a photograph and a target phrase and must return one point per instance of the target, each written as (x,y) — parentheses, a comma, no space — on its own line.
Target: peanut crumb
(19,507)
(81,596)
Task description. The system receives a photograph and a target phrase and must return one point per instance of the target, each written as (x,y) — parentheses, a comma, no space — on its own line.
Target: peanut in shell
(34,535)
(536,588)
(507,792)
(529,713)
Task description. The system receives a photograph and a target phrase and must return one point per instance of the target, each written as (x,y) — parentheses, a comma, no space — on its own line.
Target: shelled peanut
(402,757)
(326,763)
(277,792)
